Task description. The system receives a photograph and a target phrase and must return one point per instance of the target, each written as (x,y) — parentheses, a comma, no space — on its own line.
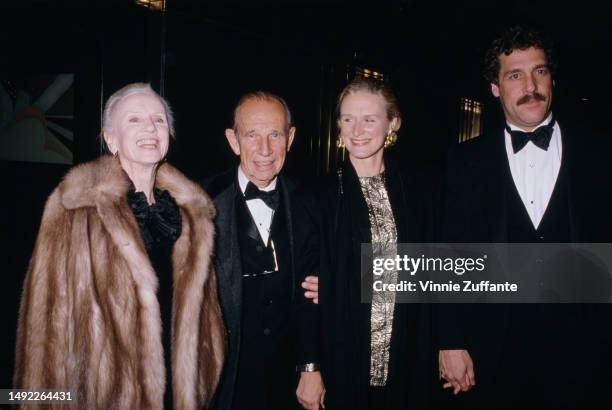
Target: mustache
(528,97)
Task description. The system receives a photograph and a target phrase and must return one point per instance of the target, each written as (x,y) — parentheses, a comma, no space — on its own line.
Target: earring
(391,139)
(339,142)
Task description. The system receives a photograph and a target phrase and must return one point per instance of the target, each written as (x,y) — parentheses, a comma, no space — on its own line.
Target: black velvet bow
(160,223)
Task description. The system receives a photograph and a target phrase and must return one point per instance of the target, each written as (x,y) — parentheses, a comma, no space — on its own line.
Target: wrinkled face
(261,140)
(524,87)
(139,130)
(364,124)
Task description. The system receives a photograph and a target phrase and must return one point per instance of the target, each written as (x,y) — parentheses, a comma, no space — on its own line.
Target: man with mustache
(534,180)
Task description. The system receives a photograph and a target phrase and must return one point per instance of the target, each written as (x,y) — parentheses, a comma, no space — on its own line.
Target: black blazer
(224,189)
(501,338)
(475,208)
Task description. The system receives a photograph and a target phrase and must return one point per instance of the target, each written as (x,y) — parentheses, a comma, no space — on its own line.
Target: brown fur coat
(89,319)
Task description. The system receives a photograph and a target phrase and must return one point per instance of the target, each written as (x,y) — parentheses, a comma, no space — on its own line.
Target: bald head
(263,96)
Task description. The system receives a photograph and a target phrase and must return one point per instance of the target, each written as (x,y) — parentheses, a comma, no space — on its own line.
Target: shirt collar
(545,122)
(243,181)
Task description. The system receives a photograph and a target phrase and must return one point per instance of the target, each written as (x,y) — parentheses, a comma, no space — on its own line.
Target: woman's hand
(311,391)
(311,284)
(457,368)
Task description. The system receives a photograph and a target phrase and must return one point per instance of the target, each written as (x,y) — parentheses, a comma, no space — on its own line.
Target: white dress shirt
(535,171)
(262,214)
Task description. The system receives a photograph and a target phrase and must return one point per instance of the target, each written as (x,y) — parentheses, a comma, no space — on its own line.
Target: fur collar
(87,183)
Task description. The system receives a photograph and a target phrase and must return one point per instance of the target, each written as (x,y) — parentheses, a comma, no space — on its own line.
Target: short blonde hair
(370,85)
(124,92)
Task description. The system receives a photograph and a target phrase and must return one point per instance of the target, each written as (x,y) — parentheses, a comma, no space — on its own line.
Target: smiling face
(261,139)
(524,87)
(364,124)
(138,132)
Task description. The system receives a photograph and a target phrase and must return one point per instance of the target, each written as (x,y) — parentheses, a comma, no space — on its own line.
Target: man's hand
(311,391)
(311,284)
(457,368)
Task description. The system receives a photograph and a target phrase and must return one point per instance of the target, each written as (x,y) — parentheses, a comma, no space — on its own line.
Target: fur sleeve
(42,333)
(214,345)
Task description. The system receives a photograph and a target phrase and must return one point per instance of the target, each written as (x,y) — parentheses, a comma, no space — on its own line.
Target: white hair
(124,92)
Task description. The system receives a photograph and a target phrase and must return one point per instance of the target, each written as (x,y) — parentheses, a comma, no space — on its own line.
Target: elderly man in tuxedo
(272,341)
(534,180)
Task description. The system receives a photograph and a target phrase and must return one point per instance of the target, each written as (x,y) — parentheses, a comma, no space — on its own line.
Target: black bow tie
(540,137)
(271,198)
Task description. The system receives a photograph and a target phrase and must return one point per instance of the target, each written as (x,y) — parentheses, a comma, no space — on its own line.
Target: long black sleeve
(307,313)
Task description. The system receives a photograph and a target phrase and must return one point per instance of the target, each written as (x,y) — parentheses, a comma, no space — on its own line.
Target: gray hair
(124,92)
(263,96)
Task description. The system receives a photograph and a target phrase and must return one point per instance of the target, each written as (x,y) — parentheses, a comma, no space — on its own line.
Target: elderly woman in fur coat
(119,303)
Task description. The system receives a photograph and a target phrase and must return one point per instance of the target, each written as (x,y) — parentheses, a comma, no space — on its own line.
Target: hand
(311,284)
(457,368)
(311,391)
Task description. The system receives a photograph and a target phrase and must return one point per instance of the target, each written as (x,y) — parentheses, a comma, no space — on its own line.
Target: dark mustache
(528,97)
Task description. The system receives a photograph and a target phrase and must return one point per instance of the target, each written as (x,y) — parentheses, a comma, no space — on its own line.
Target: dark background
(203,57)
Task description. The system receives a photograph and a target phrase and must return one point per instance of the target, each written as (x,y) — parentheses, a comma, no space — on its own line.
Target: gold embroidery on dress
(384,243)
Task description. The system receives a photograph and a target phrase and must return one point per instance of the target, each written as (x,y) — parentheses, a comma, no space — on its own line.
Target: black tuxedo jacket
(224,189)
(556,351)
(475,208)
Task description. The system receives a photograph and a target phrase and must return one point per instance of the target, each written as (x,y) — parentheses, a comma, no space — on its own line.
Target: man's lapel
(229,269)
(570,169)
(245,219)
(286,188)
(498,179)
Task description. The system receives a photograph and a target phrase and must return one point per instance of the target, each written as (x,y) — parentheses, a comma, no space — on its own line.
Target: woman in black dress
(377,355)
